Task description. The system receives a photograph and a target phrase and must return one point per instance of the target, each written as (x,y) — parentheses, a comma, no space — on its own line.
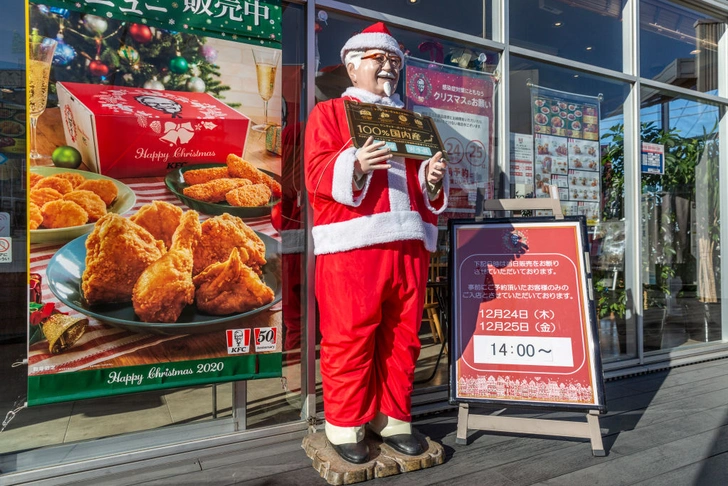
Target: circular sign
(475,153)
(455,150)
(4,245)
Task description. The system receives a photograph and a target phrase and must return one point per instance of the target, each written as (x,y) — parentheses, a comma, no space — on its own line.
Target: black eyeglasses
(381,59)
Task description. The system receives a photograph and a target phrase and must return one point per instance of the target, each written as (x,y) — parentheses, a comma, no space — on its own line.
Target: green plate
(176,183)
(65,270)
(124,201)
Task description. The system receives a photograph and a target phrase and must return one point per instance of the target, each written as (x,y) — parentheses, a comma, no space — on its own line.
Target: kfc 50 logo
(265,338)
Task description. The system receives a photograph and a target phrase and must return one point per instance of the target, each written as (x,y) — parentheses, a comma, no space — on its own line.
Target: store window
(680,235)
(13,272)
(578,30)
(565,126)
(679,46)
(471,17)
(12,173)
(331,77)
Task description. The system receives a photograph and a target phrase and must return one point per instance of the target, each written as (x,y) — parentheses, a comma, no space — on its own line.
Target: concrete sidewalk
(668,427)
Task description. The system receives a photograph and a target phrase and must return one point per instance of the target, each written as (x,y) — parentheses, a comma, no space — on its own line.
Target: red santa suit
(372,248)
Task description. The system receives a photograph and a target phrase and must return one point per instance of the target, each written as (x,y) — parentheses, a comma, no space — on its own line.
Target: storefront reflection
(680,247)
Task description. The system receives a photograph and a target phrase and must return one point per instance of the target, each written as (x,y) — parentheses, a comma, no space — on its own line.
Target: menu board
(567,151)
(521,161)
(523,316)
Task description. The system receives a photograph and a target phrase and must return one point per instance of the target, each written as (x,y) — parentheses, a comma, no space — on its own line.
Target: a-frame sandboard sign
(523,327)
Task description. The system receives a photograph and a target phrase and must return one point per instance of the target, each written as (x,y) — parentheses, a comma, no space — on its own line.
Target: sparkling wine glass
(40,50)
(266,65)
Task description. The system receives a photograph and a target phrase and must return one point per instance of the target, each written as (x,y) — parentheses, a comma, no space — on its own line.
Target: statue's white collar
(368,97)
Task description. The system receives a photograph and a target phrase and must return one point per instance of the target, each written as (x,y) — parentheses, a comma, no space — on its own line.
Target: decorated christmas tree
(98,50)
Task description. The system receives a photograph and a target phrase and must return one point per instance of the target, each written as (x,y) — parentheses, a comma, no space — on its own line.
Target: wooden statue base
(384,461)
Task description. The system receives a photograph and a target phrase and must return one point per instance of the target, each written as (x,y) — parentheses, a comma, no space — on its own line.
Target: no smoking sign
(6,250)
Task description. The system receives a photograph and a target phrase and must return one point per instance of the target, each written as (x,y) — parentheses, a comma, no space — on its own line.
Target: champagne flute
(40,50)
(266,65)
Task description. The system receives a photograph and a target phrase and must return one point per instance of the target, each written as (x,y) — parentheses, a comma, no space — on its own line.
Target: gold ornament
(63,331)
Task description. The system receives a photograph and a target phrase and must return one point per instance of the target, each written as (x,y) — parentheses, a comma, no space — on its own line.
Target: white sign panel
(6,250)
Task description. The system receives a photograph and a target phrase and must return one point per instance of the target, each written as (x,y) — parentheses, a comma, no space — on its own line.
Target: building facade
(653,196)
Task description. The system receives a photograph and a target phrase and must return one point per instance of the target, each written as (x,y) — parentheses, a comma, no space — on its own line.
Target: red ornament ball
(318,28)
(140,33)
(276,217)
(98,68)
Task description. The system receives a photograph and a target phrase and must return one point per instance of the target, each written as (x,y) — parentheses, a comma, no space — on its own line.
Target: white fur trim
(369,97)
(397,181)
(293,241)
(422,176)
(372,230)
(371,40)
(341,189)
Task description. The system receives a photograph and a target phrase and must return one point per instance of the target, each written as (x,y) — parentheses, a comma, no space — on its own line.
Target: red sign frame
(524,328)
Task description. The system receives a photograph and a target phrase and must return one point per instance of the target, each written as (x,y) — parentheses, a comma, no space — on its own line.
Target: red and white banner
(461,104)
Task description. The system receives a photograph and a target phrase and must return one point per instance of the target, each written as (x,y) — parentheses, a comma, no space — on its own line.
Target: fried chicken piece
(34,178)
(239,167)
(44,195)
(117,252)
(215,190)
(220,235)
(160,218)
(165,287)
(74,178)
(54,182)
(104,188)
(231,287)
(63,214)
(200,176)
(89,201)
(252,195)
(35,217)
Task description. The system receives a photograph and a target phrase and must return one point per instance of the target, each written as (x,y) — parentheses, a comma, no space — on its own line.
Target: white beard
(388,89)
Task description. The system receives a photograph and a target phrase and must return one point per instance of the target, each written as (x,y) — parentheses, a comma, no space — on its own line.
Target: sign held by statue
(406,133)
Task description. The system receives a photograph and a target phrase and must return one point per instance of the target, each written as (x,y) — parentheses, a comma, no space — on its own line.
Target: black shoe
(405,443)
(354,452)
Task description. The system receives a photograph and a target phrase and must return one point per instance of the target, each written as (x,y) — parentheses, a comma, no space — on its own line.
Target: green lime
(66,157)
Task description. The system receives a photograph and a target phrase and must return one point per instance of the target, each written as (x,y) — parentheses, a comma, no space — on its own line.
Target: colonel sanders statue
(375,222)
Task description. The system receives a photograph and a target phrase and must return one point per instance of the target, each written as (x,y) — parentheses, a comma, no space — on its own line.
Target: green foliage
(154,56)
(611,302)
(682,158)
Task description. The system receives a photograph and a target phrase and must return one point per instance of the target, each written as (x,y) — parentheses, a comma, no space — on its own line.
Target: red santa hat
(376,36)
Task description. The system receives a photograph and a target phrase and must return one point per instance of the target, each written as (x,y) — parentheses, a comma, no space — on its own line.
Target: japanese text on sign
(252,21)
(523,318)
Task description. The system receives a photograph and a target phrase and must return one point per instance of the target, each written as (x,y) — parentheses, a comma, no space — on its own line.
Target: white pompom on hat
(376,36)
